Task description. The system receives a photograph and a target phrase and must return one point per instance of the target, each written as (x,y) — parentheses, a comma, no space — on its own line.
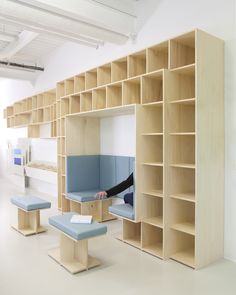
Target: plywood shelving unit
(175,91)
(32,112)
(179,172)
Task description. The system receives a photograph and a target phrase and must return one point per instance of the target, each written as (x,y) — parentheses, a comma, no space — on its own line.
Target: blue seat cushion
(124,210)
(85,196)
(30,203)
(75,230)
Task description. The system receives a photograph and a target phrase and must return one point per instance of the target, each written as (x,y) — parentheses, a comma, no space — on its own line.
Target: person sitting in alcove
(128,198)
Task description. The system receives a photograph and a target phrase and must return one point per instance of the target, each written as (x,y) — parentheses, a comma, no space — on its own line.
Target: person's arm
(116,189)
(121,186)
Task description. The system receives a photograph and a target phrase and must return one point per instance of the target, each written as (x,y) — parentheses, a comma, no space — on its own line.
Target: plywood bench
(29,207)
(87,175)
(73,251)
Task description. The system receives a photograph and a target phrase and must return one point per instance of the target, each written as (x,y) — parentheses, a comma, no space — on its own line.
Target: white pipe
(7,37)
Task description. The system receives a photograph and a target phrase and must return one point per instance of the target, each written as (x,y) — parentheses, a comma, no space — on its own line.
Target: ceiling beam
(23,39)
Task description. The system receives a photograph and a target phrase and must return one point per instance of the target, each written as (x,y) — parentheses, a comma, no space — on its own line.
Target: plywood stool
(73,251)
(28,208)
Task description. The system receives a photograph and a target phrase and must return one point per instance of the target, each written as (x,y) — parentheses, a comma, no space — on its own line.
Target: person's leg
(128,198)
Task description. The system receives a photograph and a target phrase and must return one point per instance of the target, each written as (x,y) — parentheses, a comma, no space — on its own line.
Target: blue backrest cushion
(122,172)
(82,173)
(132,170)
(97,172)
(107,171)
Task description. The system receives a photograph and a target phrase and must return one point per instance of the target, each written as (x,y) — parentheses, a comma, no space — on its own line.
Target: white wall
(168,18)
(118,136)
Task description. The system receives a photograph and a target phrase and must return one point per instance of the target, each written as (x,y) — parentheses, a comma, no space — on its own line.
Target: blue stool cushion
(123,210)
(85,196)
(75,230)
(30,203)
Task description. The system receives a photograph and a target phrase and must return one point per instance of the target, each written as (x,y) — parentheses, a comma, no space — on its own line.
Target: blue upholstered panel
(85,196)
(131,169)
(124,210)
(77,231)
(82,173)
(122,171)
(107,172)
(30,203)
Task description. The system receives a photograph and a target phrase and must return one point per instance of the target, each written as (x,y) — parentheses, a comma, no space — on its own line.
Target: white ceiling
(30,29)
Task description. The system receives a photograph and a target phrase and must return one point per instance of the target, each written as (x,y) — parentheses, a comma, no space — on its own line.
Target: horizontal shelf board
(121,110)
(155,221)
(188,69)
(183,165)
(135,241)
(156,250)
(153,134)
(154,193)
(155,103)
(41,123)
(186,257)
(23,113)
(187,101)
(157,73)
(158,164)
(183,133)
(185,197)
(20,126)
(185,227)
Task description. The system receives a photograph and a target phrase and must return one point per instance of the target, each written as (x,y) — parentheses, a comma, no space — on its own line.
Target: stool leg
(23,219)
(81,252)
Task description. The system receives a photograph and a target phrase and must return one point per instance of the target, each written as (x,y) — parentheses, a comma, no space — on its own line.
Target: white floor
(25,267)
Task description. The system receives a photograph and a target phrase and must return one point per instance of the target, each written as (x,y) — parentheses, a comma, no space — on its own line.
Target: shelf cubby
(182,50)
(119,70)
(152,87)
(74,104)
(62,127)
(114,95)
(86,101)
(91,79)
(132,233)
(69,86)
(40,116)
(152,210)
(182,216)
(39,100)
(58,109)
(152,239)
(131,91)
(54,129)
(183,118)
(34,102)
(99,98)
(104,75)
(79,83)
(152,177)
(137,64)
(33,131)
(152,149)
(10,111)
(152,120)
(46,114)
(183,248)
(182,183)
(64,106)
(181,85)
(184,149)
(60,90)
(157,57)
